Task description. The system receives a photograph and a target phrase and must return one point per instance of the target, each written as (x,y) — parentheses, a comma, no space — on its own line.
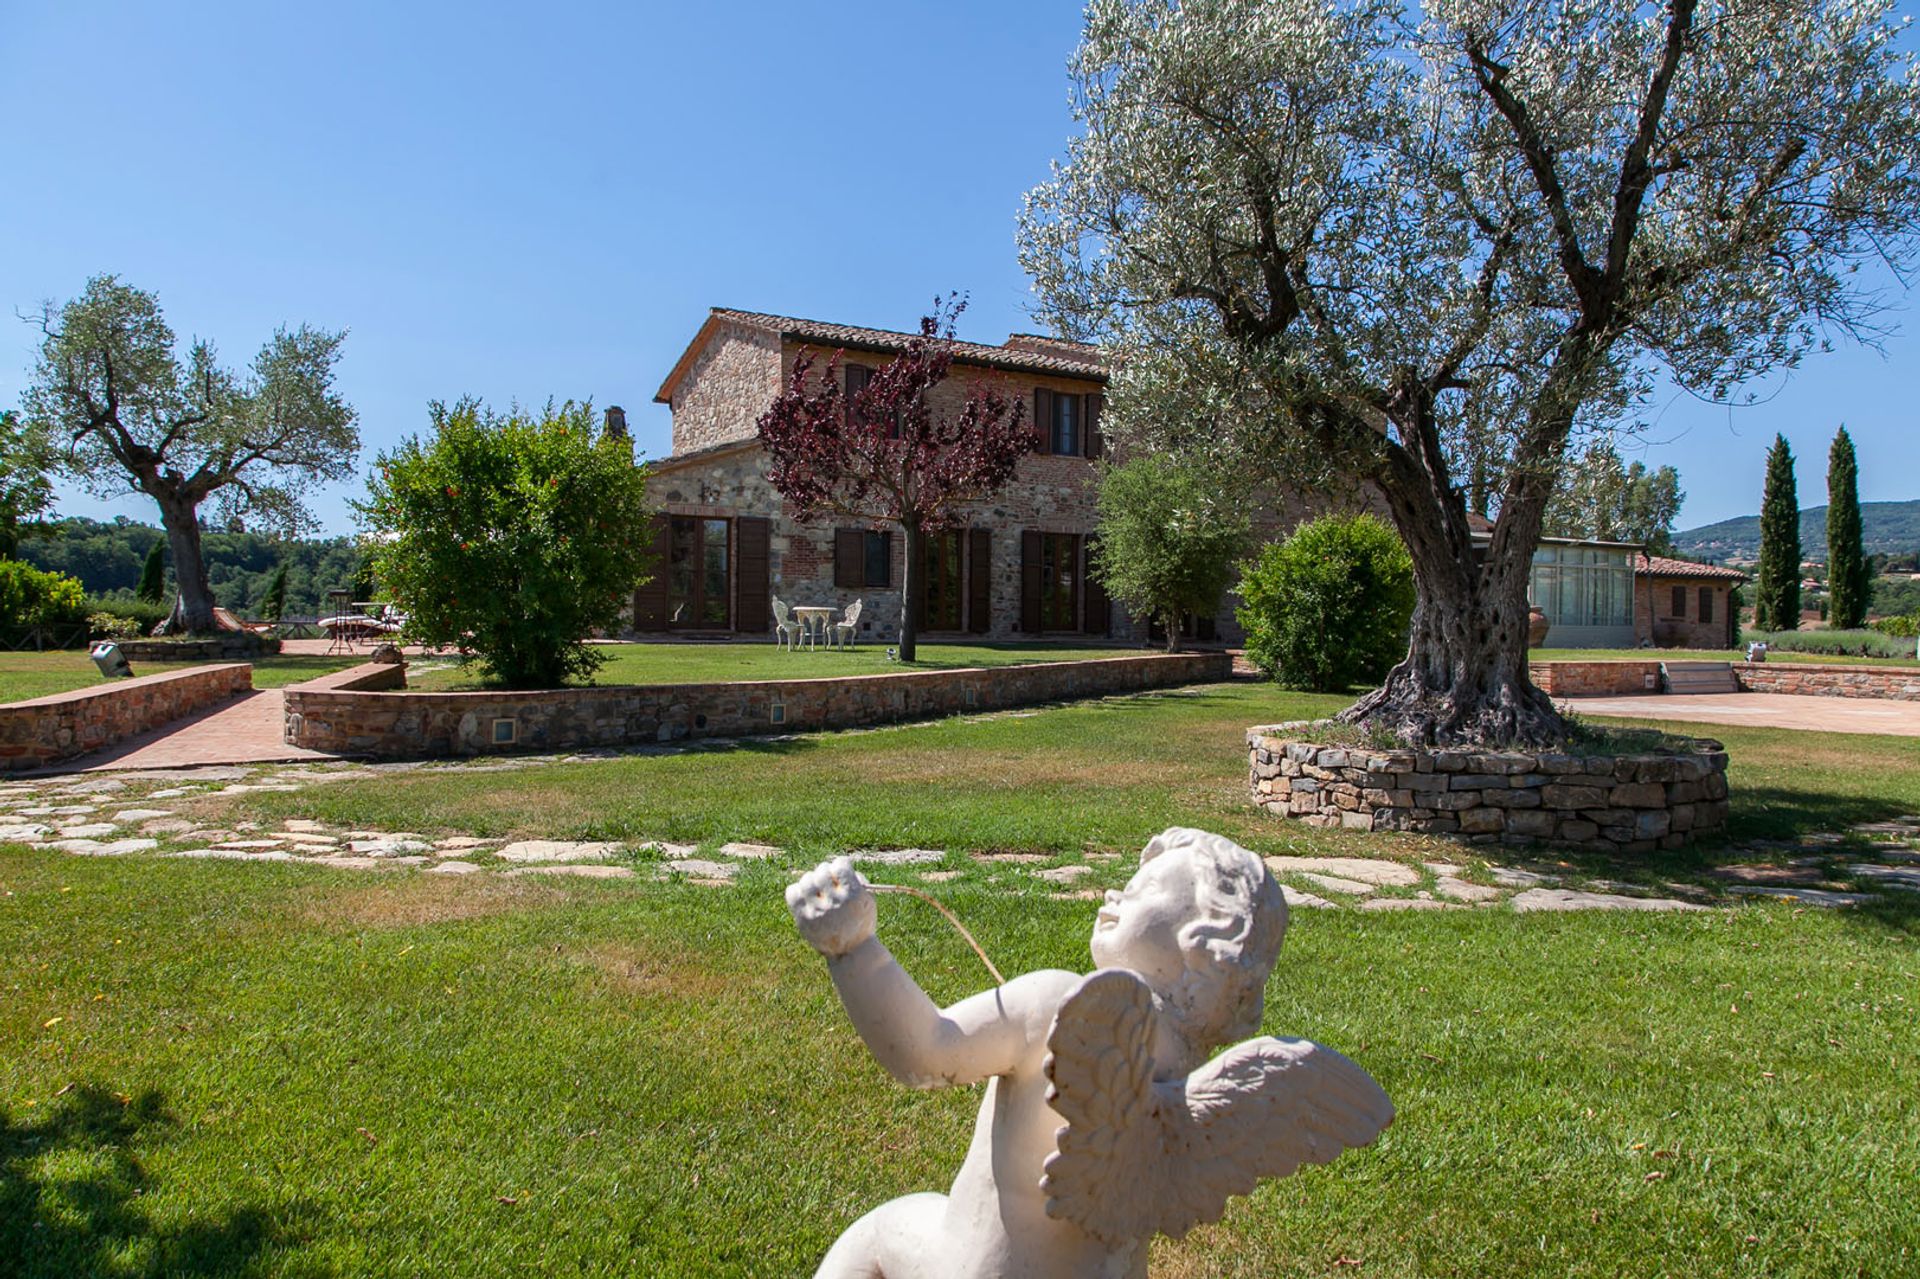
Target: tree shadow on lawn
(71,1188)
(1777,812)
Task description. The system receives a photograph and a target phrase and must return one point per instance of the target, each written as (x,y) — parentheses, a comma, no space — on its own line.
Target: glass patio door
(699,576)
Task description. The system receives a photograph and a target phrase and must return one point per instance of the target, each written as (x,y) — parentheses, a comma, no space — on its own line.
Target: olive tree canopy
(1360,241)
(132,417)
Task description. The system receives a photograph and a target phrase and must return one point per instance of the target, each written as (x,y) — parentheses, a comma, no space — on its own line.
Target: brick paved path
(248,730)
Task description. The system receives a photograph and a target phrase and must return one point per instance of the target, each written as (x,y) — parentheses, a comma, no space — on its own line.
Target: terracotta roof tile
(1661,566)
(1065,358)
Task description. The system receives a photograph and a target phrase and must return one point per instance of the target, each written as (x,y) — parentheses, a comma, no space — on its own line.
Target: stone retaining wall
(1594,679)
(413,725)
(48,729)
(238,645)
(1900,684)
(1626,803)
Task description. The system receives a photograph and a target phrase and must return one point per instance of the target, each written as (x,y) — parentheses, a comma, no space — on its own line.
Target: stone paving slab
(556,850)
(1368,870)
(1566,899)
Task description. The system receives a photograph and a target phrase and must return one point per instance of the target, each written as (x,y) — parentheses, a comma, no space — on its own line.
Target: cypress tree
(1776,593)
(153,576)
(1848,582)
(274,602)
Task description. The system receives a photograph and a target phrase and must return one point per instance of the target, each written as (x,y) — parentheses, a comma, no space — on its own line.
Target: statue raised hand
(1103,1122)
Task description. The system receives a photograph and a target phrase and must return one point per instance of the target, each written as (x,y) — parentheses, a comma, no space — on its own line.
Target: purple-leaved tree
(888,453)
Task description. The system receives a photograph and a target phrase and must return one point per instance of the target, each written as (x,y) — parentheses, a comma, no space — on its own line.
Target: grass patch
(653,1079)
(28,675)
(1704,655)
(1102,775)
(713,663)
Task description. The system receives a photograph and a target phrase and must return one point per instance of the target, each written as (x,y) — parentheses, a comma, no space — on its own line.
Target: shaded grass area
(29,675)
(1705,655)
(1093,775)
(412,1075)
(707,663)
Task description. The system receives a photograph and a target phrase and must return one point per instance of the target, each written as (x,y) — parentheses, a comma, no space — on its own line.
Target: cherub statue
(1103,1121)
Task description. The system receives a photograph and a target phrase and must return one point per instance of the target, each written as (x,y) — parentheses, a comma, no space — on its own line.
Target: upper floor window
(1679,601)
(1067,425)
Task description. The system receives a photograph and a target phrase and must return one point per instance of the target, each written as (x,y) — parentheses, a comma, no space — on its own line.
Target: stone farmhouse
(1016,569)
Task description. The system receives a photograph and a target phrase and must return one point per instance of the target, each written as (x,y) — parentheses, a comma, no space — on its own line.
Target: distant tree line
(108,558)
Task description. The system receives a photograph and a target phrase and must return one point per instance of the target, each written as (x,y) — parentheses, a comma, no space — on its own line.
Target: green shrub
(1861,643)
(32,598)
(112,626)
(1167,540)
(1907,624)
(511,534)
(127,607)
(1329,607)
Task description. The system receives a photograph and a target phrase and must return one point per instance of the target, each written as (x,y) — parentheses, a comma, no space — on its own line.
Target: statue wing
(1135,1156)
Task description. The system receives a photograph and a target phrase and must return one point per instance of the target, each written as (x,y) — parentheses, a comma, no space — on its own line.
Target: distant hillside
(1885,526)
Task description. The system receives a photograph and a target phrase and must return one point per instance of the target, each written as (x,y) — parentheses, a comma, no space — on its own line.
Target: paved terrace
(1761,710)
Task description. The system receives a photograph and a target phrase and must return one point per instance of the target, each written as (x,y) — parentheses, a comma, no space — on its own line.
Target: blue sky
(525,201)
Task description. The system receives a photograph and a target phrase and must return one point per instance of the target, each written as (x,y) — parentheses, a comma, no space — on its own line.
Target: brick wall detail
(1595,679)
(413,725)
(66,725)
(1627,803)
(1895,683)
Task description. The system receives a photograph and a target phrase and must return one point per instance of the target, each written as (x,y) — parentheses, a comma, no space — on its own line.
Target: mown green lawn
(1093,775)
(706,663)
(29,675)
(1704,655)
(282,1070)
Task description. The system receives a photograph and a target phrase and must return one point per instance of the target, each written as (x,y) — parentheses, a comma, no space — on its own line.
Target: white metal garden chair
(786,630)
(845,630)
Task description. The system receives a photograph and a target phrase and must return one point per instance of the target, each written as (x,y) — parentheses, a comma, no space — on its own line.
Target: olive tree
(132,416)
(1421,248)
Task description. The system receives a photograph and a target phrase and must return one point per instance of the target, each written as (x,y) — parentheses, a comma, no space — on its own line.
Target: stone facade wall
(731,383)
(1656,622)
(414,725)
(1627,803)
(65,725)
(1900,684)
(1595,679)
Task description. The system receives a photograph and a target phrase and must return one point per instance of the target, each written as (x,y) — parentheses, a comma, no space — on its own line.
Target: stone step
(1699,677)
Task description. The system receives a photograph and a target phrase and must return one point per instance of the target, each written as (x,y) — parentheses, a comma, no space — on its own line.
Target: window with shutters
(699,574)
(940,609)
(877,559)
(1066,425)
(1059,581)
(1679,601)
(1706,603)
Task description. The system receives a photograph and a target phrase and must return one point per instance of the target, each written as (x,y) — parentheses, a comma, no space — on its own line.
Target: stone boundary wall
(1594,679)
(230,645)
(1625,803)
(46,730)
(1900,684)
(414,725)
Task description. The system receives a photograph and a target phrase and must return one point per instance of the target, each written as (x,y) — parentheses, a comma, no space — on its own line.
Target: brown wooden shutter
(856,377)
(849,559)
(752,585)
(1099,612)
(1030,581)
(979,580)
(1043,419)
(650,597)
(1096,444)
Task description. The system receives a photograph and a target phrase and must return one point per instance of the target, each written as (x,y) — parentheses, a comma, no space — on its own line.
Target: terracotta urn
(1538,624)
